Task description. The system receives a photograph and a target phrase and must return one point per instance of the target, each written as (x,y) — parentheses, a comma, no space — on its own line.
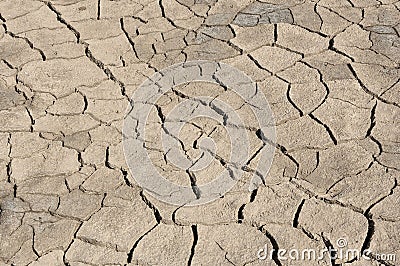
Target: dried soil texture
(328,68)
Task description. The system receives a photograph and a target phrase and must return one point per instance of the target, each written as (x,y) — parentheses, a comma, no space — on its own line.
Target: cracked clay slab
(273,127)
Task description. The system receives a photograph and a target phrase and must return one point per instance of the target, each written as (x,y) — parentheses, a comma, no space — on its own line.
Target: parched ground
(329,70)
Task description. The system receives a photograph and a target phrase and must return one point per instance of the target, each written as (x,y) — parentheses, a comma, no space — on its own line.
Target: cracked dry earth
(329,70)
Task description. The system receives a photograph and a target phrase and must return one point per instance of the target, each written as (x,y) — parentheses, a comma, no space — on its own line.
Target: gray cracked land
(329,70)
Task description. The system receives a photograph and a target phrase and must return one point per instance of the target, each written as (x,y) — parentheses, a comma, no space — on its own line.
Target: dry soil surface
(329,70)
